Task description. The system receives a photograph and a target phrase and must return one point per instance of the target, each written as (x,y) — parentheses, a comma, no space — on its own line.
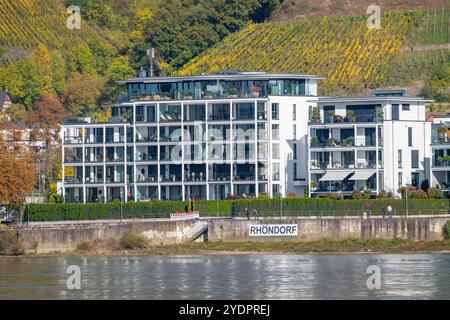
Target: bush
(447,230)
(435,193)
(418,194)
(367,194)
(133,240)
(10,244)
(333,196)
(356,194)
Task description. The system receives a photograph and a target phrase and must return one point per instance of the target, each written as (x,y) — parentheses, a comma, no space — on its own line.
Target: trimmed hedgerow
(265,207)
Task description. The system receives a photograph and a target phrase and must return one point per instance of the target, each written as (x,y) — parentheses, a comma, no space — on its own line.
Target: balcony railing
(110,158)
(152,138)
(73,140)
(97,158)
(148,157)
(195,177)
(244,176)
(153,178)
(111,179)
(73,159)
(73,180)
(171,178)
(220,177)
(89,180)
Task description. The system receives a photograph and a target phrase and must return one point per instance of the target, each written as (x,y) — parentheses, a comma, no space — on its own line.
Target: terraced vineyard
(346,52)
(25,23)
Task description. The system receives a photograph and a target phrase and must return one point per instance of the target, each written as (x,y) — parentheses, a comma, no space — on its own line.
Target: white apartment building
(440,153)
(379,142)
(203,137)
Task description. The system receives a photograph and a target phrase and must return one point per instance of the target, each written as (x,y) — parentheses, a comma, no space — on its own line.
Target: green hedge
(265,207)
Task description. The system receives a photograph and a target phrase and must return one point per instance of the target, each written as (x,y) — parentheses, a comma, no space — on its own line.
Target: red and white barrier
(184,216)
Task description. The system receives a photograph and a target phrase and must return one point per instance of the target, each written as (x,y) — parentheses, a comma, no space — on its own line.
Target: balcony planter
(233,93)
(338,119)
(331,142)
(314,141)
(207,95)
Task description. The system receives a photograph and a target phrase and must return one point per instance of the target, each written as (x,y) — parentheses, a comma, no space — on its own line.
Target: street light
(407,189)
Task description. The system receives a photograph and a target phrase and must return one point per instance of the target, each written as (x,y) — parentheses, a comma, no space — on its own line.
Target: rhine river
(262,276)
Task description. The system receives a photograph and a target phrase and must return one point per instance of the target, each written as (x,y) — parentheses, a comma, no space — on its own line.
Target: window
(294,132)
(415,159)
(410,144)
(399,158)
(395,112)
(295,171)
(295,151)
(294,112)
(275,151)
(275,113)
(276,171)
(406,107)
(275,131)
(400,178)
(415,179)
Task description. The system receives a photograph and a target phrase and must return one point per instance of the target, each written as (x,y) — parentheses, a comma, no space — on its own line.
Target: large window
(415,179)
(276,171)
(275,131)
(399,159)
(415,159)
(400,179)
(275,111)
(410,144)
(276,151)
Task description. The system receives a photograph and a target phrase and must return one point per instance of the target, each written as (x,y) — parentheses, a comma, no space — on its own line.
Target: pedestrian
(255,212)
(192,205)
(389,210)
(247,213)
(383,212)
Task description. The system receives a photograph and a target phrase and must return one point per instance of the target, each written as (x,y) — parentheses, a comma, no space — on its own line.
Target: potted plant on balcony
(350,116)
(233,93)
(331,142)
(208,94)
(442,131)
(378,114)
(165,96)
(315,115)
(314,141)
(330,116)
(188,95)
(313,185)
(349,141)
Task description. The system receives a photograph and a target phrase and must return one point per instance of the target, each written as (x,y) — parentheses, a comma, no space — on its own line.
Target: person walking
(389,210)
(383,212)
(255,212)
(247,213)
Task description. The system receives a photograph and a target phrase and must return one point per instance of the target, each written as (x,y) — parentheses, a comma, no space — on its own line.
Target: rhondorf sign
(275,230)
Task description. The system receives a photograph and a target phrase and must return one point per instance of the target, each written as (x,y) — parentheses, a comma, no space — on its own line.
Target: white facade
(372,150)
(205,137)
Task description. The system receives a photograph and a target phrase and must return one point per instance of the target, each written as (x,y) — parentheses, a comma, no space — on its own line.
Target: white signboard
(272,230)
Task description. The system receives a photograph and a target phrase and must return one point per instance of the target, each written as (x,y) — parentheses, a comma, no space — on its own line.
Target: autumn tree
(82,94)
(17,170)
(45,117)
(42,63)
(120,69)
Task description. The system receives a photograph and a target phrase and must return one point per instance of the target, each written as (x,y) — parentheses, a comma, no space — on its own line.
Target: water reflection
(422,276)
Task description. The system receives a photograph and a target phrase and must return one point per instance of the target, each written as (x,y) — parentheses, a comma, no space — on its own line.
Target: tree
(17,171)
(83,93)
(42,64)
(59,72)
(120,69)
(80,59)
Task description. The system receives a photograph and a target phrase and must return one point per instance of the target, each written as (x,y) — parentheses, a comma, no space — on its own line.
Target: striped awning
(362,175)
(335,175)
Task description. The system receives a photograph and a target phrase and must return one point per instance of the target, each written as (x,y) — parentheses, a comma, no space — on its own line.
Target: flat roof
(370,99)
(230,77)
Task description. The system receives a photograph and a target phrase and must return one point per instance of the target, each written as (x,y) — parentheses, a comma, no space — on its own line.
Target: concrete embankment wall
(50,237)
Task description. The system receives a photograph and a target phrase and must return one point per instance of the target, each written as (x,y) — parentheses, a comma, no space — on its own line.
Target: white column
(125,169)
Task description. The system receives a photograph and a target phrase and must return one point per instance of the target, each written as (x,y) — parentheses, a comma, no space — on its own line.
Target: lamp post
(406,205)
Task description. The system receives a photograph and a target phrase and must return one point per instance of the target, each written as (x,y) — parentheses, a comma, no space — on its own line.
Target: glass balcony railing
(112,179)
(147,157)
(171,178)
(73,140)
(97,158)
(339,186)
(195,177)
(73,159)
(111,158)
(244,176)
(151,178)
(220,177)
(89,180)
(73,180)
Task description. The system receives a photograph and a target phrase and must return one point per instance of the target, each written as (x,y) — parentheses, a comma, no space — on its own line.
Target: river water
(271,276)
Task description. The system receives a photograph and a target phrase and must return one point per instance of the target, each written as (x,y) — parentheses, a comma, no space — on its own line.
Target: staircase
(197,230)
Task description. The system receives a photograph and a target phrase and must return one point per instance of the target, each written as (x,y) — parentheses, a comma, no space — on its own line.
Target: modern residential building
(203,137)
(440,153)
(379,142)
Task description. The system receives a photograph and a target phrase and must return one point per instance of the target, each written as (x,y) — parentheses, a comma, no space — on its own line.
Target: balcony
(152,138)
(73,180)
(116,179)
(245,176)
(115,158)
(98,180)
(220,177)
(93,159)
(72,159)
(73,140)
(171,178)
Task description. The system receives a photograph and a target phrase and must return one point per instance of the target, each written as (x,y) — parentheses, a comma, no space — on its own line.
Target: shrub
(333,196)
(356,194)
(435,193)
(367,194)
(382,194)
(403,190)
(133,240)
(447,230)
(418,194)
(10,244)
